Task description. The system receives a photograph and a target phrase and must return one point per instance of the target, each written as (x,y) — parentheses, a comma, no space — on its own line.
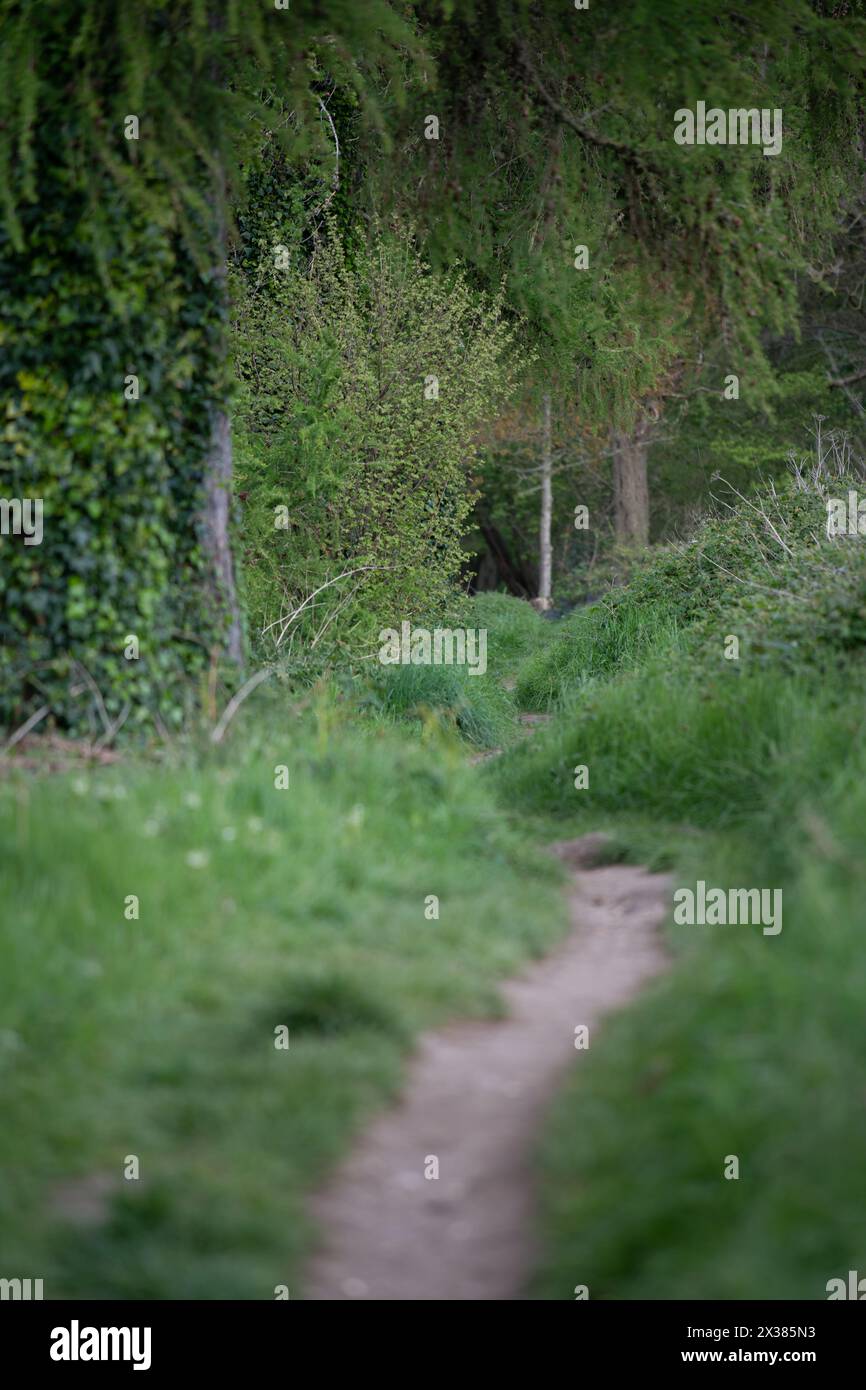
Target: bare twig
(335,182)
(116,727)
(742,579)
(847,380)
(840,381)
(287,622)
(592,137)
(334,613)
(35,718)
(237,700)
(759,511)
(97,695)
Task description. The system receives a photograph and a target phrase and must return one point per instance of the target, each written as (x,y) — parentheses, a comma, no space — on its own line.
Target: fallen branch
(847,380)
(841,382)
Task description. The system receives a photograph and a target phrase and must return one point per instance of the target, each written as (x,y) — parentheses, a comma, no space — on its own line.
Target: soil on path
(474,1098)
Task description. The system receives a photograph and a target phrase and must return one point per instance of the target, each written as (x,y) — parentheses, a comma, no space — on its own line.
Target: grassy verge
(258,908)
(479,704)
(746,773)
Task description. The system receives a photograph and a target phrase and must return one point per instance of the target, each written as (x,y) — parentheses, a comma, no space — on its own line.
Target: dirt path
(474,1096)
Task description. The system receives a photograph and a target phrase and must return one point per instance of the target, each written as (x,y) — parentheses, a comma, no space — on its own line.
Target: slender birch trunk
(216,508)
(545,550)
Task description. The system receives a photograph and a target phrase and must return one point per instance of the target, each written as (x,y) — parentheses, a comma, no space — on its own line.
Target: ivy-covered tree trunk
(630,486)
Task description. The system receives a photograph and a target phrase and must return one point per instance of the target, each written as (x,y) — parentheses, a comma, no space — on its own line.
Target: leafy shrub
(343,427)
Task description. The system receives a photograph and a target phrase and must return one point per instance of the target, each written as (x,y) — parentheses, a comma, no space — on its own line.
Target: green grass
(514,630)
(476,705)
(593,641)
(774,580)
(305,908)
(258,908)
(744,774)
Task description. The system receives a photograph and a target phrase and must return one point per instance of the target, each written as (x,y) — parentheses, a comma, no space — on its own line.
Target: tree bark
(216,510)
(545,550)
(217,538)
(630,487)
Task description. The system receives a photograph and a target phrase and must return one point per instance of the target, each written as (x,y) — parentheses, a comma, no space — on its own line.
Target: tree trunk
(545,551)
(630,487)
(217,539)
(216,510)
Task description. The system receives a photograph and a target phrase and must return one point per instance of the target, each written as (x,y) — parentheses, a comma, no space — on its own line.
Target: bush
(364,385)
(766,572)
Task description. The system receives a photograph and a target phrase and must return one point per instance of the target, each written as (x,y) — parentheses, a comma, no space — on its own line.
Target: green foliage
(120,479)
(593,641)
(740,441)
(510,496)
(343,427)
(556,129)
(203,80)
(478,706)
(514,630)
(356,482)
(284,115)
(765,570)
(111,260)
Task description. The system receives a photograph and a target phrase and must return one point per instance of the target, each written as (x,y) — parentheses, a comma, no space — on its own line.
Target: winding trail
(474,1097)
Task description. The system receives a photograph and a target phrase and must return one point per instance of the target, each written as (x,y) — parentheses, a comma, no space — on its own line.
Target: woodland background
(283,246)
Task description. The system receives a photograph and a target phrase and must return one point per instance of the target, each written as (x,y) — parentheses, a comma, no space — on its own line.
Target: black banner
(158,1339)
